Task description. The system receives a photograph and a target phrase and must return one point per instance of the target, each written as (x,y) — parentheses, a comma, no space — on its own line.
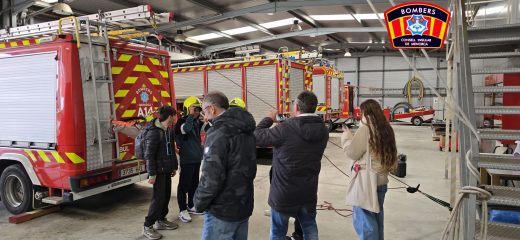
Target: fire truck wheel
(417,121)
(329,125)
(16,189)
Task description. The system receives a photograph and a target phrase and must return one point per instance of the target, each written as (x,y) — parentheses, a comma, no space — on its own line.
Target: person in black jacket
(162,166)
(187,137)
(299,143)
(225,192)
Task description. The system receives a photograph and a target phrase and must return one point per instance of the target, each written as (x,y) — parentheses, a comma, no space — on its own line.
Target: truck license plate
(131,170)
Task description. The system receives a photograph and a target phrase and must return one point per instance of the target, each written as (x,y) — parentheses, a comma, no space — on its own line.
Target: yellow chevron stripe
(31,155)
(266,62)
(184,70)
(200,68)
(227,65)
(57,157)
(124,57)
(43,156)
(175,70)
(165,94)
(155,61)
(122,155)
(236,65)
(74,158)
(256,63)
(26,42)
(149,118)
(37,41)
(131,80)
(128,113)
(246,64)
(164,74)
(117,105)
(218,67)
(134,101)
(14,44)
(154,81)
(141,68)
(154,99)
(117,70)
(121,93)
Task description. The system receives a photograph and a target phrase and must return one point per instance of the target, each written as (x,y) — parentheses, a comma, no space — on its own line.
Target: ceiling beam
(352,13)
(267,8)
(307,32)
(221,9)
(302,16)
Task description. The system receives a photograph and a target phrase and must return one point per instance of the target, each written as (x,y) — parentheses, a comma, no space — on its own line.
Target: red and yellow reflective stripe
(53,157)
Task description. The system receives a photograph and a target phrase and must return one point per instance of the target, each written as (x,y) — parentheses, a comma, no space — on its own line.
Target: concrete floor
(119,214)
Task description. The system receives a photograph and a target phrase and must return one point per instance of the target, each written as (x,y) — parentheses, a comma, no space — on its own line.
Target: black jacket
(298,144)
(187,137)
(160,158)
(229,167)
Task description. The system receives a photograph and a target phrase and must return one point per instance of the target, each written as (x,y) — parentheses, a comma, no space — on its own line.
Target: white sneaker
(194,211)
(267,212)
(184,216)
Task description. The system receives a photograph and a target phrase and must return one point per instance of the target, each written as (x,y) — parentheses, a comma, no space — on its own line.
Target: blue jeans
(280,224)
(216,229)
(370,225)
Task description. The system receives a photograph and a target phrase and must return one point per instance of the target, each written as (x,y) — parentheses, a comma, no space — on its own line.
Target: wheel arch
(8,159)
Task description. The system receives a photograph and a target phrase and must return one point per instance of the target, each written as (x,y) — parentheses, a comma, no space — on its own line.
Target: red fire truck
(63,83)
(328,85)
(265,83)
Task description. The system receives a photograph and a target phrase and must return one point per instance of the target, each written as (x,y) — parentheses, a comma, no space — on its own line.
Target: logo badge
(417,25)
(145,97)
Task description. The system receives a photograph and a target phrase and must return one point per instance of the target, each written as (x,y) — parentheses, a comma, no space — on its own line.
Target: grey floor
(119,214)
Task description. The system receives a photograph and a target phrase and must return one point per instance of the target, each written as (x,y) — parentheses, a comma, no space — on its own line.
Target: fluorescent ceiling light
(332,17)
(241,30)
(492,10)
(205,37)
(279,23)
(369,16)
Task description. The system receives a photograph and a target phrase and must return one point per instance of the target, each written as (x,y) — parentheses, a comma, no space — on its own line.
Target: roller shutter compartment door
(261,90)
(188,84)
(296,82)
(228,81)
(335,91)
(318,87)
(28,98)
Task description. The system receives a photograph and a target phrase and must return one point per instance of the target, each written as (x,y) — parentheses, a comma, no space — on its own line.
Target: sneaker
(193,211)
(165,225)
(184,216)
(151,233)
(296,236)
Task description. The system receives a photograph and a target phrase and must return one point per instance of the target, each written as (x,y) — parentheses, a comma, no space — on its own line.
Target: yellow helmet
(237,102)
(191,101)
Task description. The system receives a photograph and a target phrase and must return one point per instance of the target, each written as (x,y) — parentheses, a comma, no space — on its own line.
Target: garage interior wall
(387,72)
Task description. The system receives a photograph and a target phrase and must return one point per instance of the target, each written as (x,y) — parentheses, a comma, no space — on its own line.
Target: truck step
(499,134)
(500,231)
(55,200)
(497,89)
(505,110)
(499,162)
(503,196)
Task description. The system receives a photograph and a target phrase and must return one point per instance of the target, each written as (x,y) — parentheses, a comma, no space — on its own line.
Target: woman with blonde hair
(374,143)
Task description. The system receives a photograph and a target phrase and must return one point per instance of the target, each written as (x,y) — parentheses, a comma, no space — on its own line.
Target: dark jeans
(216,229)
(297,227)
(280,224)
(188,182)
(162,191)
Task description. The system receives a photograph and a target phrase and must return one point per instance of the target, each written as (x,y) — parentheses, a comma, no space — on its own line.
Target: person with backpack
(187,137)
(155,145)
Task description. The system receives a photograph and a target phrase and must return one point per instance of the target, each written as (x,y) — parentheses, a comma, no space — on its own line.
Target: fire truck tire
(16,189)
(417,121)
(330,125)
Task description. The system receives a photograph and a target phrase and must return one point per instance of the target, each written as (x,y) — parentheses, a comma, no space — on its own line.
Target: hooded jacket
(159,154)
(228,167)
(187,137)
(298,144)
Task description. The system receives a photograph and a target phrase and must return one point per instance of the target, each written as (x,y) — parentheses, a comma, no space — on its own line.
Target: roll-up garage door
(228,81)
(261,90)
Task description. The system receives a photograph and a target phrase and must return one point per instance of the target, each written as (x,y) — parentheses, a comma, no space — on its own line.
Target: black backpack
(140,142)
